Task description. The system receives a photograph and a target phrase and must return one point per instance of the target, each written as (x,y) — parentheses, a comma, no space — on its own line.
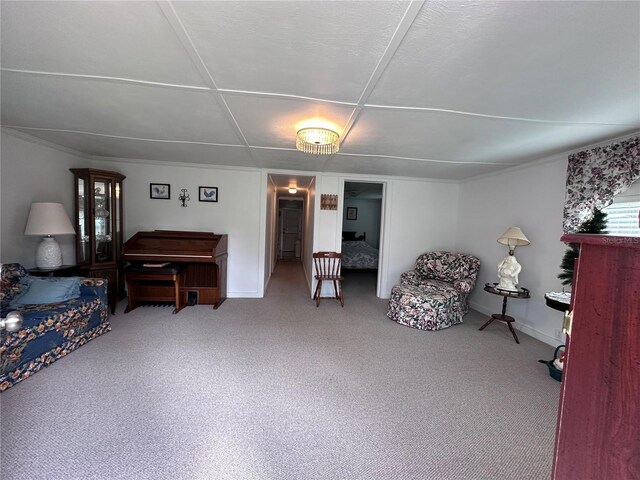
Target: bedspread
(359,254)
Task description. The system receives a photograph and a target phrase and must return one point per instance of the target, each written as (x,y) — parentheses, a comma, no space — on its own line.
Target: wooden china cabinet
(99,227)
(598,431)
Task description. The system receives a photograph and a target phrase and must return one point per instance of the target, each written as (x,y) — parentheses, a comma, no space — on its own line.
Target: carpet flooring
(276,388)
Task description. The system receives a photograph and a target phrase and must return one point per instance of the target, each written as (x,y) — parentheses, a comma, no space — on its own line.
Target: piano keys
(195,270)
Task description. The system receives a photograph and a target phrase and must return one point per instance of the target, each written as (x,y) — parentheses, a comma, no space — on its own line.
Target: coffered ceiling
(431,89)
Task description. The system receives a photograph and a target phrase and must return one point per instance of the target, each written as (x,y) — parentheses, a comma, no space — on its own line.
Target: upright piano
(184,267)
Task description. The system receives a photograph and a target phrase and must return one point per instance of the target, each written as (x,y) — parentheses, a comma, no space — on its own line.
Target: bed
(357,253)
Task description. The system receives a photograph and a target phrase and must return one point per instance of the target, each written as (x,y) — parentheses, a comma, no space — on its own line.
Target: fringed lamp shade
(317,141)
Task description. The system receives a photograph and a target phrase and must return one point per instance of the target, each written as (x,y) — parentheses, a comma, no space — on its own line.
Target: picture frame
(352,213)
(208,194)
(160,191)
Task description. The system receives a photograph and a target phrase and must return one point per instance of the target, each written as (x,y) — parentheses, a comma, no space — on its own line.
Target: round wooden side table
(503,317)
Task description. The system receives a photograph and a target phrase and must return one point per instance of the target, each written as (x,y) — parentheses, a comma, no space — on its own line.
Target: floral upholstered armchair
(433,295)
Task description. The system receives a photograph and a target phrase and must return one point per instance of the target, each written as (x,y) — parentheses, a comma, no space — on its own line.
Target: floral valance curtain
(596,176)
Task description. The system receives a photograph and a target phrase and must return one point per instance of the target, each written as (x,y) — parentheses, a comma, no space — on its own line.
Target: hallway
(287,280)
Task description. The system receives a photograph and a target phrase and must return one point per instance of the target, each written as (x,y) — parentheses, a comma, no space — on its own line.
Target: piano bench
(155,284)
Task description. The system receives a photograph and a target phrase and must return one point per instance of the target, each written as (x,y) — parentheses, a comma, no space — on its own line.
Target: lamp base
(48,254)
(508,271)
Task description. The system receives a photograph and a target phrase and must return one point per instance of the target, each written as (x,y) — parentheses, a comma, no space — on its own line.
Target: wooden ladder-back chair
(328,269)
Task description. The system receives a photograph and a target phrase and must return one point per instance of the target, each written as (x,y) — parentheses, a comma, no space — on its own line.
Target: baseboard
(532,332)
(244,295)
(543,337)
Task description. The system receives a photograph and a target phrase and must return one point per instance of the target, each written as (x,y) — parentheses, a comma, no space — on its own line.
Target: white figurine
(508,270)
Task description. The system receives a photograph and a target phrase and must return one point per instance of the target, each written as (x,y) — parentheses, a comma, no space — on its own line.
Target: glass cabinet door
(83,226)
(103,203)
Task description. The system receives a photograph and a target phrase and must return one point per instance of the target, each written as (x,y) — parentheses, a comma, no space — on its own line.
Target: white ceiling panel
(406,168)
(557,60)
(137,149)
(288,160)
(113,108)
(273,122)
(324,50)
(541,78)
(119,39)
(284,181)
(451,137)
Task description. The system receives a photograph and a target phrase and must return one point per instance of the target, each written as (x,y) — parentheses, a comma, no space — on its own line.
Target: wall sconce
(184,197)
(293,189)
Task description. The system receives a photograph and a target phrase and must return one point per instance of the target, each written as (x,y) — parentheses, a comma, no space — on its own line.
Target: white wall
(531,198)
(33,172)
(271,234)
(420,216)
(368,218)
(328,223)
(237,213)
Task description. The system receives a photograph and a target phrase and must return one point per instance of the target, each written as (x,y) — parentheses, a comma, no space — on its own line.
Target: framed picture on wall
(352,213)
(160,191)
(208,194)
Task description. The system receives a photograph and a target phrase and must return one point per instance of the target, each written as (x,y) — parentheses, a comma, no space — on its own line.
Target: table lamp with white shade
(509,269)
(48,219)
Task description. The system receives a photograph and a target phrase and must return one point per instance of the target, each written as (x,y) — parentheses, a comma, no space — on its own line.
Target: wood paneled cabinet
(598,431)
(99,227)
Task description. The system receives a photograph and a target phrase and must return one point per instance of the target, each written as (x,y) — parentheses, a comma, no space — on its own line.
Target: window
(623,215)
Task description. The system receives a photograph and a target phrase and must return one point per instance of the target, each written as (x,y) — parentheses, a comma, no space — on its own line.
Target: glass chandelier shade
(317,141)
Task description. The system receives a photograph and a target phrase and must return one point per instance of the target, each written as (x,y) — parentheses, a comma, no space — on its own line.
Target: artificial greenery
(566,275)
(596,225)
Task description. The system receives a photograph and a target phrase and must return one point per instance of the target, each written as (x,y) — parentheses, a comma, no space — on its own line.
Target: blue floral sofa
(49,331)
(433,295)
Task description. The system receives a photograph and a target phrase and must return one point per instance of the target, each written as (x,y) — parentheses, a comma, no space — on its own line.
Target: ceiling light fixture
(317,141)
(293,190)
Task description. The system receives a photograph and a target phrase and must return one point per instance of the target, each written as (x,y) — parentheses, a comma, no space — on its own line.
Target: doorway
(362,237)
(290,206)
(290,228)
